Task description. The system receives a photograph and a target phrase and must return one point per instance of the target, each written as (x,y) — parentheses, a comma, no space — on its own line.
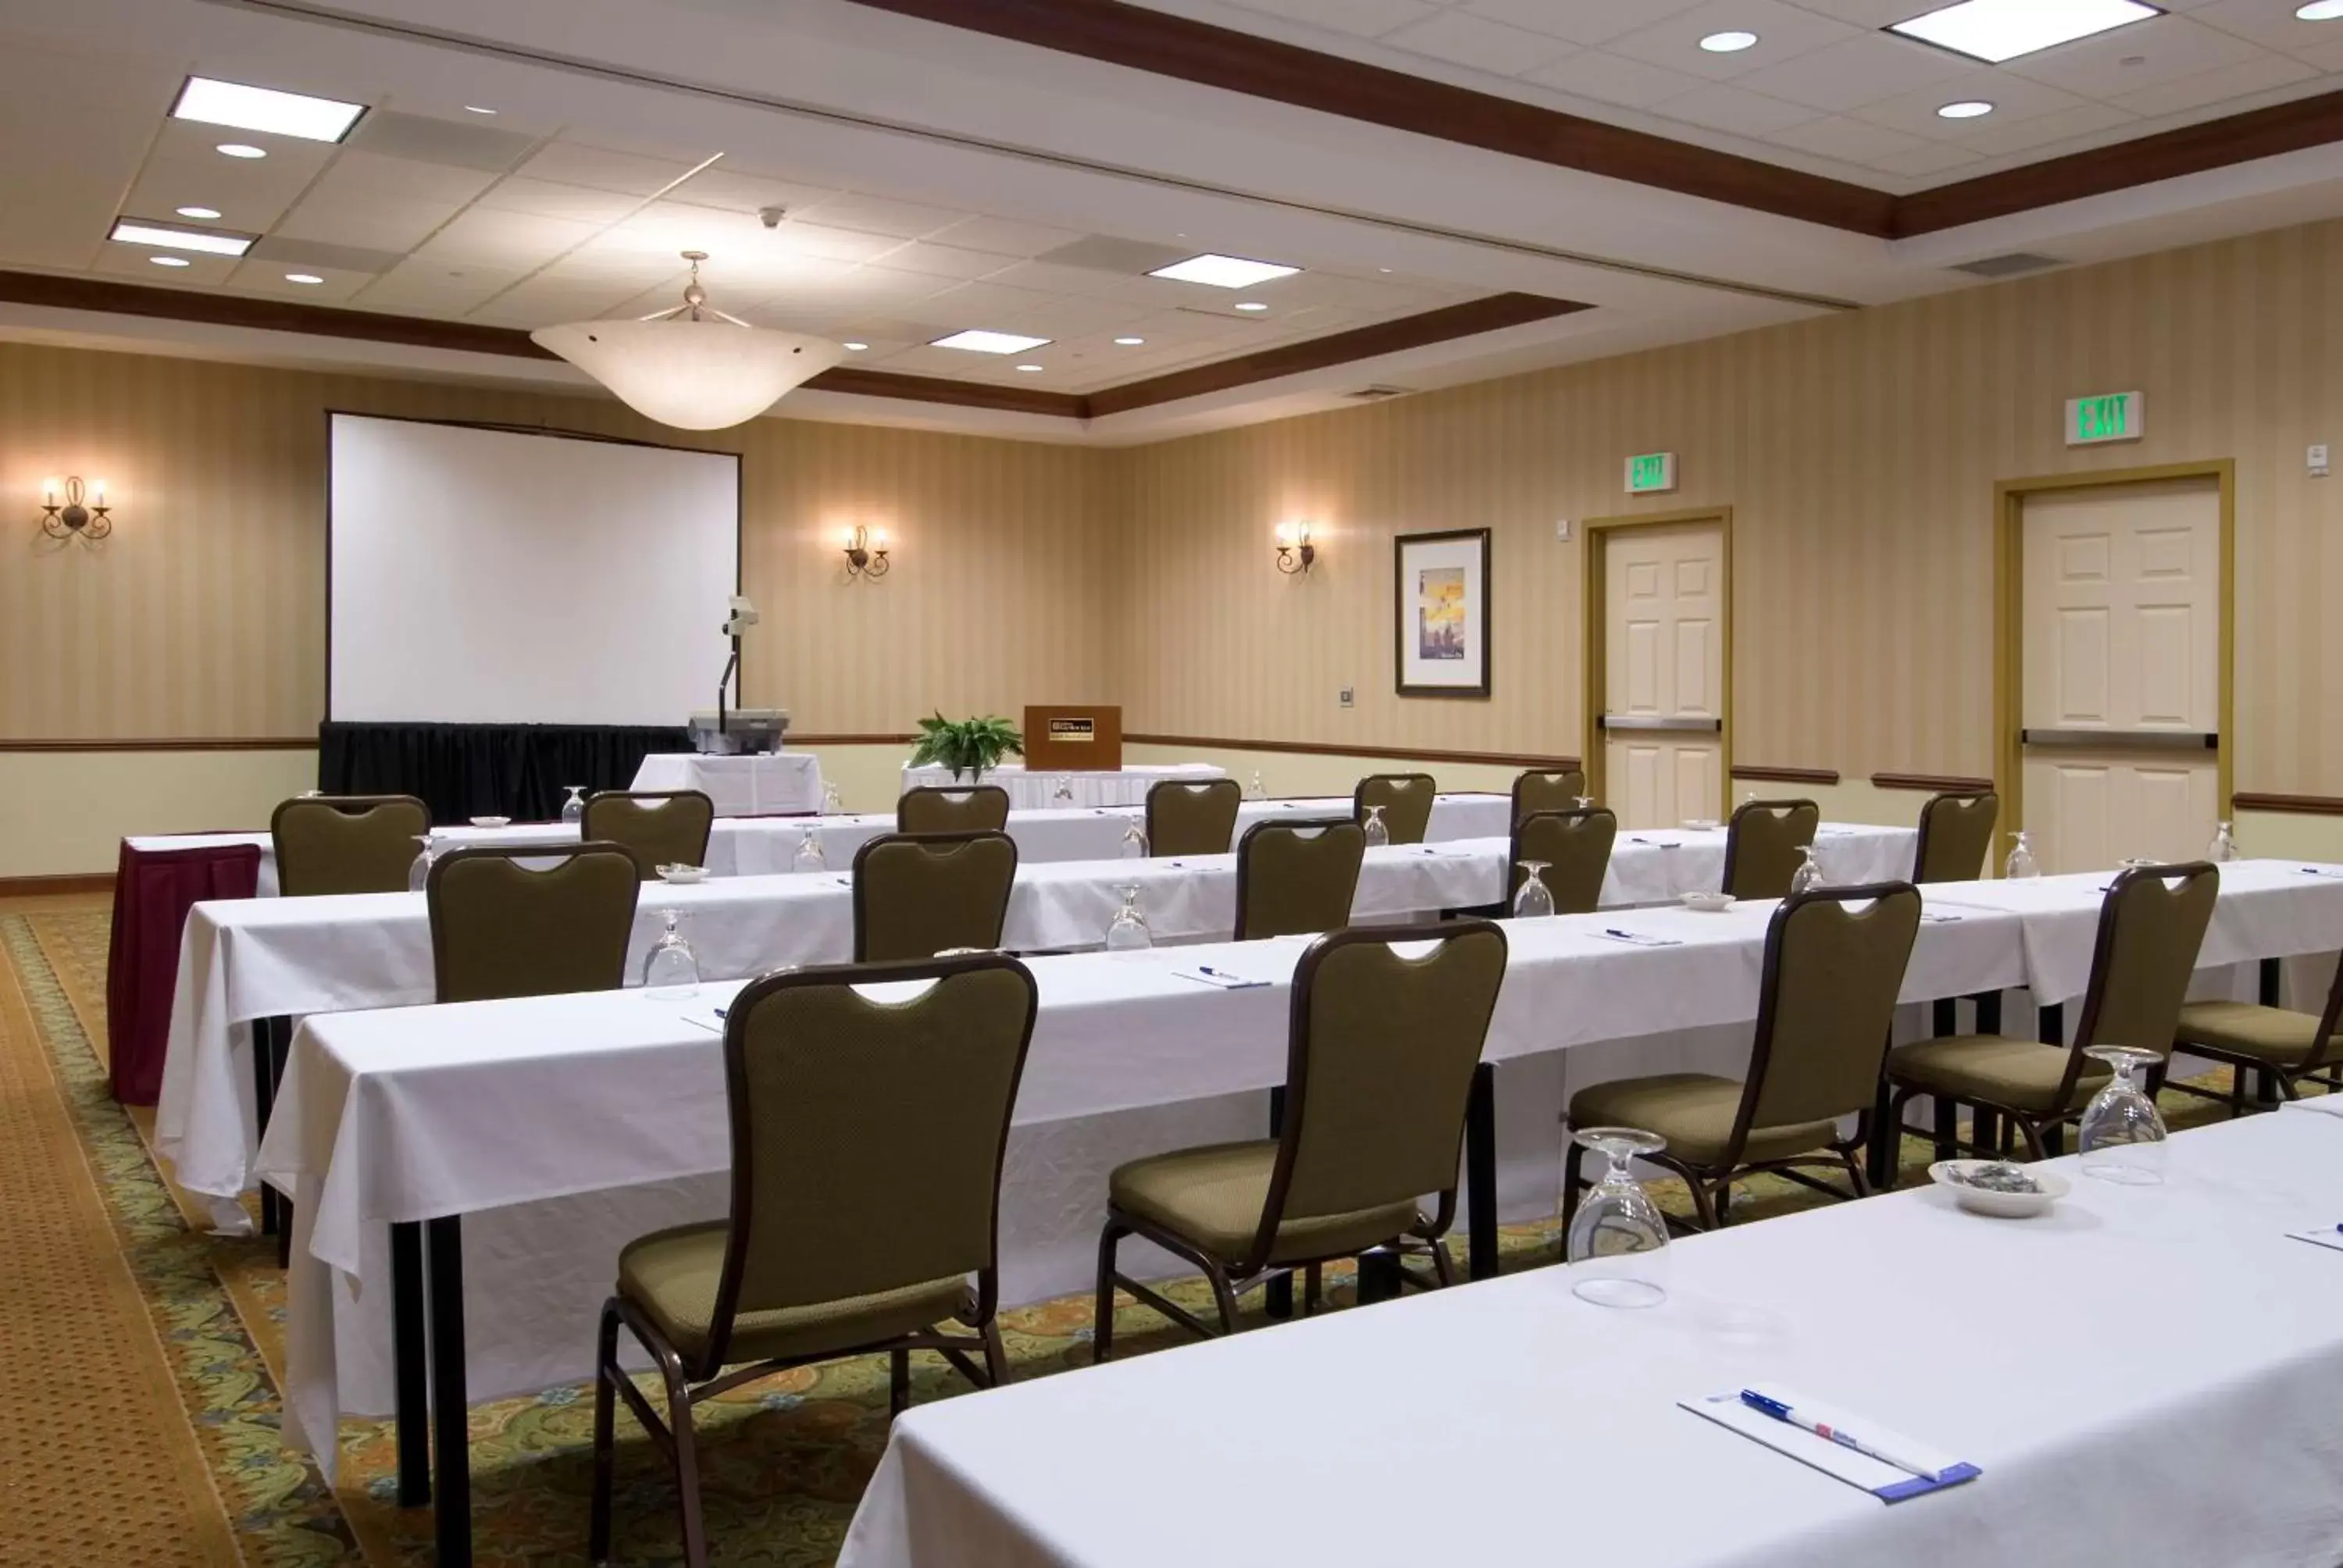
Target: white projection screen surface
(497,577)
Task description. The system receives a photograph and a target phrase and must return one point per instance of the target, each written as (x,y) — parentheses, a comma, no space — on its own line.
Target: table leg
(263,1101)
(1879,1153)
(2273,977)
(410,1365)
(443,1240)
(1277,1296)
(2051,1018)
(1988,1012)
(1481,1173)
(1948,1020)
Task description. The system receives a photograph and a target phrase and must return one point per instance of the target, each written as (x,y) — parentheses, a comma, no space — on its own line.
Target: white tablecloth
(1037,791)
(2040,1351)
(740,786)
(491,1110)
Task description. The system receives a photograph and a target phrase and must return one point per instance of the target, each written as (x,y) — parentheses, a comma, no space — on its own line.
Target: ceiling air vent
(1377,393)
(2015,264)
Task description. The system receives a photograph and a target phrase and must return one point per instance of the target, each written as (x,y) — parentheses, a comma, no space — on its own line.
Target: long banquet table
(2043,1351)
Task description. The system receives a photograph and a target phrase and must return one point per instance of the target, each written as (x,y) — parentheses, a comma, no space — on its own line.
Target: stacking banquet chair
(1575,847)
(657,828)
(1184,819)
(2273,1042)
(1378,1062)
(1766,844)
(1547,789)
(866,1142)
(1826,1001)
(1406,800)
(2151,924)
(347,843)
(1297,877)
(1955,836)
(917,894)
(932,808)
(533,920)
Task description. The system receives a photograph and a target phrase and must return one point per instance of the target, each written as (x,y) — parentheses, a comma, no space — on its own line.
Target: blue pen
(1223,974)
(1829,1433)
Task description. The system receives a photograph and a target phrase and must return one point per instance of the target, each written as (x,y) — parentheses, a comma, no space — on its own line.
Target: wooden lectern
(1073,738)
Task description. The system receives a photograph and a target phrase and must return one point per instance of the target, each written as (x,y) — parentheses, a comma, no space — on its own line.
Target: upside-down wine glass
(1533,900)
(1064,789)
(1128,931)
(1618,1239)
(1586,803)
(2021,865)
(1809,874)
(1378,834)
(1256,790)
(1134,842)
(573,809)
(831,806)
(2123,1134)
(2224,846)
(419,875)
(809,855)
(670,970)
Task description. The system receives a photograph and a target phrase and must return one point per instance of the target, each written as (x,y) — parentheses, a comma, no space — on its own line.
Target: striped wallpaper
(204,616)
(1859,455)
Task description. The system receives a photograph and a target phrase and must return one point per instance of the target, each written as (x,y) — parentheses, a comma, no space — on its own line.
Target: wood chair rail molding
(2293,805)
(1934,783)
(1322,748)
(1785,775)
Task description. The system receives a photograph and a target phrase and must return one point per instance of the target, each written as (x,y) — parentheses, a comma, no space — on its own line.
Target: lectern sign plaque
(1073,731)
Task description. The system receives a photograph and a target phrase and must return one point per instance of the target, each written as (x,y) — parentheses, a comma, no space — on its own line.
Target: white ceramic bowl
(683,876)
(491,821)
(1708,903)
(1701,824)
(1948,1173)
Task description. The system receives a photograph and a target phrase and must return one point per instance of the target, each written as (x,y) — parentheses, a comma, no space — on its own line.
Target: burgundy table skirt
(153,891)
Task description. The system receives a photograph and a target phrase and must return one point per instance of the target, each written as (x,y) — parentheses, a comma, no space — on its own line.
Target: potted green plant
(966,746)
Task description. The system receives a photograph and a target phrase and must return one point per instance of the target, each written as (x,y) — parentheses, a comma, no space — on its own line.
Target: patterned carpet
(176,1458)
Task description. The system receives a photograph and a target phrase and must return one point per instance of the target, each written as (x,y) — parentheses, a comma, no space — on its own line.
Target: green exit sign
(1651,473)
(2110,416)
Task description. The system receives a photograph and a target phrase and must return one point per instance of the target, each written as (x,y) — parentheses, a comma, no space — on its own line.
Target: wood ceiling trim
(1169,45)
(1440,325)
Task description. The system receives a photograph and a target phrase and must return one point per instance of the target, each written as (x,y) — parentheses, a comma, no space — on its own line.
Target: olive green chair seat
(1694,1112)
(2019,1073)
(1214,1197)
(2274,1035)
(673,1274)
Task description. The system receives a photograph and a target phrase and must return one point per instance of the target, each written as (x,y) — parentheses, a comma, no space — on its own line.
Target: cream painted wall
(1306,773)
(65,813)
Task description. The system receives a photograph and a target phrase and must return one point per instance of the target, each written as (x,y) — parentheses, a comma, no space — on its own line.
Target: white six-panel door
(2122,590)
(1664,671)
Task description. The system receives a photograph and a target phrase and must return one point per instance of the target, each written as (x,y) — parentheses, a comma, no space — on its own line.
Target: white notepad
(1882,1480)
(1221,979)
(2320,1236)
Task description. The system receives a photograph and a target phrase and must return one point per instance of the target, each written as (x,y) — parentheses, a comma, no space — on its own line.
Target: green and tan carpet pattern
(164,1447)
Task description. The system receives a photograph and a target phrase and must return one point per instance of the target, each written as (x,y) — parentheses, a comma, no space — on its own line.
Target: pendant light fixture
(693,366)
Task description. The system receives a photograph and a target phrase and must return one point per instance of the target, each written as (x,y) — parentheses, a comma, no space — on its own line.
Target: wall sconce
(1295,553)
(866,552)
(67,511)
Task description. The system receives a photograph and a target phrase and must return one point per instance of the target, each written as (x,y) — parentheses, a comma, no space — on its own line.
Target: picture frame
(1440,614)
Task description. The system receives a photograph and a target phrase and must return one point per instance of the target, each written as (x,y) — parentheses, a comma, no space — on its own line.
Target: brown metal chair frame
(651,872)
(963,794)
(514,856)
(1277,825)
(674,1437)
(1770,807)
(1927,815)
(1712,1185)
(1428,1239)
(938,841)
(1220,789)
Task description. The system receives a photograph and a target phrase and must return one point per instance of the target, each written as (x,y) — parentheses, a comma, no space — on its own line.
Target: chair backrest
(1380,1056)
(1955,836)
(1576,847)
(2151,924)
(1766,844)
(656,827)
(347,843)
(868,1134)
(1295,877)
(1184,819)
(916,894)
(1406,801)
(1547,789)
(1825,1001)
(501,927)
(934,808)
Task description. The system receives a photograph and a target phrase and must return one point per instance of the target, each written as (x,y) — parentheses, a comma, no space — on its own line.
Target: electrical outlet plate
(1562,530)
(1346,698)
(2317,461)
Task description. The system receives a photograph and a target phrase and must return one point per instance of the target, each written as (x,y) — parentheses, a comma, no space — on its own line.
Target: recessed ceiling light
(180,238)
(854,347)
(1028,369)
(2321,10)
(242,150)
(1997,30)
(205,212)
(169,260)
(1252,305)
(1729,43)
(1129,342)
(303,277)
(978,341)
(1966,109)
(266,109)
(1223,271)
(477,109)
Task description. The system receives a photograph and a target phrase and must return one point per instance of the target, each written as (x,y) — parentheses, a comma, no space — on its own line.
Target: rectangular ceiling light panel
(977,341)
(1998,30)
(210,244)
(1223,271)
(216,103)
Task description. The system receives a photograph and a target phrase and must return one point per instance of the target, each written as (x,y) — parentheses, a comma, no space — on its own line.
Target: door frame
(2009,497)
(1595,593)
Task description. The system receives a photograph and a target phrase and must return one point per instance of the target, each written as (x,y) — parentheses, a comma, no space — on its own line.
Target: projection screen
(498,576)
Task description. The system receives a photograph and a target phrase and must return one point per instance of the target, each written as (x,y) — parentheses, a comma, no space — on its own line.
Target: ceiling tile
(880,215)
(1461,38)
(1366,18)
(424,287)
(511,240)
(1873,14)
(1860,70)
(356,219)
(1722,106)
(1578,21)
(629,174)
(132,261)
(256,276)
(372,173)
(1052,279)
(465,143)
(315,255)
(2163,49)
(722,186)
(1784,33)
(2258,75)
(544,199)
(2272,23)
(2324,56)
(1004,237)
(2013,98)
(942,260)
(542,301)
(1849,140)
(2042,130)
(1614,79)
(1925,158)
(985,304)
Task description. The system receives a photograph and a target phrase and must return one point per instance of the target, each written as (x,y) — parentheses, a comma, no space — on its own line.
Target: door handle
(1686,722)
(2124,739)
